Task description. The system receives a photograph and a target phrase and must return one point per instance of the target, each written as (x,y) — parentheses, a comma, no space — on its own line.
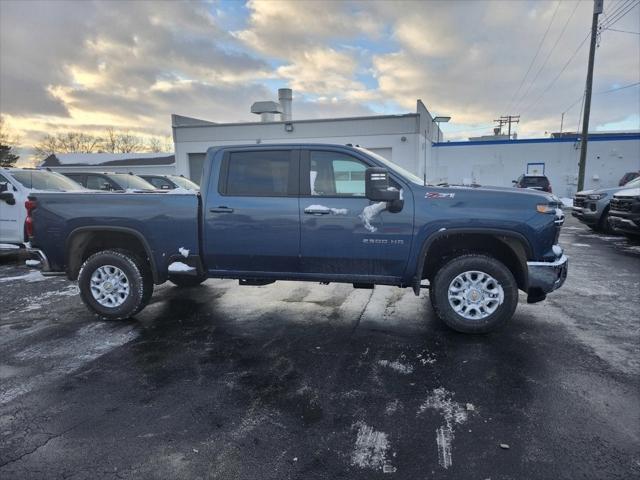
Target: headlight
(546,208)
(596,196)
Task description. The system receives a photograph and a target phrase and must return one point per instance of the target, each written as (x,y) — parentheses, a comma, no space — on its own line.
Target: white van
(15,186)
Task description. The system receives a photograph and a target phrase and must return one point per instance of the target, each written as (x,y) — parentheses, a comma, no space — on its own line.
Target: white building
(404,139)
(499,162)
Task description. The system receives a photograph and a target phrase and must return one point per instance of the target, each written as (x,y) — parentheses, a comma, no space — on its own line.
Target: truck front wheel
(113,284)
(474,294)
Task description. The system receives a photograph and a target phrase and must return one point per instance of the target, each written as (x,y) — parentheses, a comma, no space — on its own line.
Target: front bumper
(625,224)
(545,277)
(586,215)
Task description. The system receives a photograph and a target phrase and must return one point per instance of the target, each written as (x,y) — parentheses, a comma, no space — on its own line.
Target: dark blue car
(322,213)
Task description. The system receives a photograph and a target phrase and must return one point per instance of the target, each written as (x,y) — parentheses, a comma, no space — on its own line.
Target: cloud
(66,65)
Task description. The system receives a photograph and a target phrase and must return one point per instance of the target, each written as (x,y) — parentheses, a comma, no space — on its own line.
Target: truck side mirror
(6,196)
(4,186)
(377,185)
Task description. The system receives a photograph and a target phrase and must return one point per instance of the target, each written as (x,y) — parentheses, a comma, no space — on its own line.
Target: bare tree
(67,142)
(121,142)
(8,142)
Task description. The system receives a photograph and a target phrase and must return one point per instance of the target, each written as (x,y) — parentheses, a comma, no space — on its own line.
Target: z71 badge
(432,195)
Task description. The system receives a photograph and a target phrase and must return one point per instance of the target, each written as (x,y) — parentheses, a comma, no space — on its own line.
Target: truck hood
(629,192)
(608,191)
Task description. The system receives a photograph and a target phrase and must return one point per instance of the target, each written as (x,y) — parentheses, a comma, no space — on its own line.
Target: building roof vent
(266,110)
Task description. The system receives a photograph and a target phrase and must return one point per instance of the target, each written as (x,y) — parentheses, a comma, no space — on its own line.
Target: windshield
(44,180)
(131,181)
(406,174)
(633,183)
(184,182)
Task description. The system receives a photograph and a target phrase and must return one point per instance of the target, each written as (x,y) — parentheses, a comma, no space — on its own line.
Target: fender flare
(417,279)
(109,228)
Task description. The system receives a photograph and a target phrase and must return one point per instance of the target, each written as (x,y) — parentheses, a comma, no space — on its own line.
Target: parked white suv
(15,186)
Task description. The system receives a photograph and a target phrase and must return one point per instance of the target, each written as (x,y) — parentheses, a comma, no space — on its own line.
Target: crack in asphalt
(357,324)
(43,444)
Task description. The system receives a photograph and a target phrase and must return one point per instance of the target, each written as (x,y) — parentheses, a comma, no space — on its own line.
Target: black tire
(139,290)
(186,281)
(145,270)
(603,225)
(439,293)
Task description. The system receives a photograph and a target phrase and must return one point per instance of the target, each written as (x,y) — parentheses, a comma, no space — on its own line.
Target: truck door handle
(221,210)
(317,211)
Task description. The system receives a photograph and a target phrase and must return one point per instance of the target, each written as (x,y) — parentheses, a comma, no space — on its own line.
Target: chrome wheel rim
(475,295)
(109,286)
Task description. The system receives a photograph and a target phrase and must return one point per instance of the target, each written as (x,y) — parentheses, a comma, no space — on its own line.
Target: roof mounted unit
(266,110)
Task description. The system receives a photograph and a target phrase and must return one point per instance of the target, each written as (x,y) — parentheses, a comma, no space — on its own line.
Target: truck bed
(167,223)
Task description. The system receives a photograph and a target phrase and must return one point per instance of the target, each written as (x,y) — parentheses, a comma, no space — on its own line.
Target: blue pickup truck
(322,213)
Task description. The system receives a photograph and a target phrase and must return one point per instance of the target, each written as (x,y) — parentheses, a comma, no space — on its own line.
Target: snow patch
(370,212)
(453,413)
(335,211)
(182,191)
(371,448)
(580,245)
(567,202)
(34,276)
(8,246)
(180,267)
(184,252)
(397,366)
(32,263)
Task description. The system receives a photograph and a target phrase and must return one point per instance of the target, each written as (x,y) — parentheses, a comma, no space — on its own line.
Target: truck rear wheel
(474,294)
(114,285)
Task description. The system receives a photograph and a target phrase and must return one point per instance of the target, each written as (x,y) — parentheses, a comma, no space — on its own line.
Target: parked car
(109,181)
(591,207)
(627,177)
(15,186)
(311,212)
(624,212)
(536,182)
(170,182)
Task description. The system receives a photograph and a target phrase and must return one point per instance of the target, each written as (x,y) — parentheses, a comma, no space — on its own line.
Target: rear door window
(258,173)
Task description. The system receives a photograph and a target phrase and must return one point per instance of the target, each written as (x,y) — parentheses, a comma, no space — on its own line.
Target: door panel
(342,232)
(252,220)
(11,228)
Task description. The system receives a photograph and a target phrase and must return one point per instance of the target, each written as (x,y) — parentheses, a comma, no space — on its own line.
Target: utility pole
(507,120)
(597,10)
(561,123)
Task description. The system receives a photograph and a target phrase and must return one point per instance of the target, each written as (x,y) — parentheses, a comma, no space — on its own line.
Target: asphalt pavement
(300,380)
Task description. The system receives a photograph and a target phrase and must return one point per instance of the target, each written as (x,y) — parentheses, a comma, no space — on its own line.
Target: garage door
(383,152)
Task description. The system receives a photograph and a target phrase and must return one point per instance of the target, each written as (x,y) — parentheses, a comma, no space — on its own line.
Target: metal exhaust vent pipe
(285,98)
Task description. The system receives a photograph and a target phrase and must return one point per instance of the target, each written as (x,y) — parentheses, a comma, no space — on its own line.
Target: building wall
(498,163)
(396,137)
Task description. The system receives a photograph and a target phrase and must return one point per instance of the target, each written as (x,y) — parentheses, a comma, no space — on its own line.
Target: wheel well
(508,250)
(85,243)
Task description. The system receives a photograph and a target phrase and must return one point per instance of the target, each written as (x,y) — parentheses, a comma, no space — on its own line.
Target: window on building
(264,173)
(335,174)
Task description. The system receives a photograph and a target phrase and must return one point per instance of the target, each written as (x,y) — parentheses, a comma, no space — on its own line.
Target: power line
(559,74)
(621,31)
(622,12)
(544,37)
(602,92)
(548,55)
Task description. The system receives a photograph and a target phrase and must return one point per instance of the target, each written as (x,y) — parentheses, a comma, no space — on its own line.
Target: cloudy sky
(84,65)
